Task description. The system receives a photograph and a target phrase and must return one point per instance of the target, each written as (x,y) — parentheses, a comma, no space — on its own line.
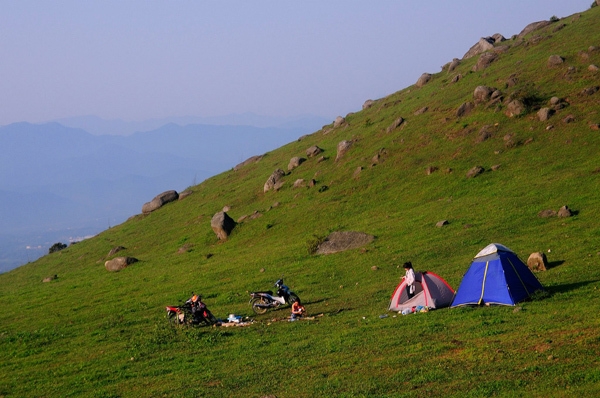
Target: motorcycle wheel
(256,308)
(293,297)
(210,318)
(174,318)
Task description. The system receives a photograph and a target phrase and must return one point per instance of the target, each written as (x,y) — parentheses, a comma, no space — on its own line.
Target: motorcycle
(262,301)
(192,312)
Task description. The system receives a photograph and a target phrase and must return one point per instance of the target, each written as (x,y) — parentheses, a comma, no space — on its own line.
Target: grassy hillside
(95,333)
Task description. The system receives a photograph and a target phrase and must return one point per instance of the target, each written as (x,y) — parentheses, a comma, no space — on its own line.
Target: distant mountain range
(59,182)
(98,126)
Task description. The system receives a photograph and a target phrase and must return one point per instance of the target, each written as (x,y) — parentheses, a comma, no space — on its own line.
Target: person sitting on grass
(297,310)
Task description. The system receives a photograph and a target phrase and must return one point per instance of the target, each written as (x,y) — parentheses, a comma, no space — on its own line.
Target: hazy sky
(137,60)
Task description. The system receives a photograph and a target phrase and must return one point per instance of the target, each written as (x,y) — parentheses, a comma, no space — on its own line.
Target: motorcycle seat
(269,292)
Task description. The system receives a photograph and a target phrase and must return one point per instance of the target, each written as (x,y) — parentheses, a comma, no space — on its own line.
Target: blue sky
(137,60)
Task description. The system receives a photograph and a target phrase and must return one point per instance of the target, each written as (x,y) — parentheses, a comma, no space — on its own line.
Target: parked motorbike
(262,301)
(192,312)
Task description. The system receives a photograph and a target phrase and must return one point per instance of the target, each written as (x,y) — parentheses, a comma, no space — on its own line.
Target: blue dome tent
(496,277)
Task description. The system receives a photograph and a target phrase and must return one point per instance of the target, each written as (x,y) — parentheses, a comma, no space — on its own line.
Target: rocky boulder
(533,27)
(537,262)
(50,278)
(299,183)
(498,38)
(484,44)
(118,263)
(482,94)
(423,79)
(273,180)
(547,213)
(368,103)
(185,194)
(555,60)
(295,162)
(484,61)
(115,250)
(339,121)
(590,90)
(421,111)
(313,151)
(222,225)
(544,114)
(453,65)
(464,109)
(342,148)
(564,212)
(395,124)
(248,161)
(475,171)
(515,108)
(159,201)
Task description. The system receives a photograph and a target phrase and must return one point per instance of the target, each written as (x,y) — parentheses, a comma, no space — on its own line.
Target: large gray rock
(484,44)
(368,103)
(250,160)
(295,162)
(475,171)
(555,60)
(313,151)
(498,38)
(118,263)
(515,108)
(50,278)
(564,211)
(342,148)
(222,225)
(590,90)
(533,27)
(159,201)
(537,262)
(484,61)
(115,250)
(464,109)
(482,93)
(423,79)
(339,121)
(544,114)
(273,180)
(395,124)
(453,65)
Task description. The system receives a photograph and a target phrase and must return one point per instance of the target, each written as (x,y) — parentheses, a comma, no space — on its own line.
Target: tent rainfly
(496,277)
(430,291)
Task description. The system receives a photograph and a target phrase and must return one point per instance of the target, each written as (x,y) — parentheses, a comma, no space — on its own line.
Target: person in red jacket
(297,310)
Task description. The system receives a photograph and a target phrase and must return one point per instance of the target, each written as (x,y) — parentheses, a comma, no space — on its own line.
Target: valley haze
(61,184)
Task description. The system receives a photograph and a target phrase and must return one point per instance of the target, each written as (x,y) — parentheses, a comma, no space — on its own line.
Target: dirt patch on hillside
(340,241)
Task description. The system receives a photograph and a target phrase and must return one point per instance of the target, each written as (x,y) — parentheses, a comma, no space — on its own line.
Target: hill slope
(95,333)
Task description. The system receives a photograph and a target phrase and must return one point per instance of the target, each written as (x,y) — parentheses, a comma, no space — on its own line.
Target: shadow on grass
(337,311)
(313,301)
(553,264)
(568,287)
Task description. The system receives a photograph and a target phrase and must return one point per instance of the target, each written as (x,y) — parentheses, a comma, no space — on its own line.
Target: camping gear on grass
(496,277)
(431,291)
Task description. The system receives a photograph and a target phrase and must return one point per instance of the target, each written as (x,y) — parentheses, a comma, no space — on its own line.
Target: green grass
(100,334)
